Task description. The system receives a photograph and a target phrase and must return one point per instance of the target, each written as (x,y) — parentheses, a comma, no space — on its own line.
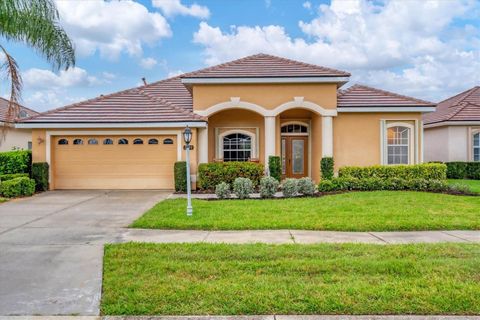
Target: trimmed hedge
(10,176)
(275,167)
(211,174)
(326,168)
(40,175)
(22,186)
(463,170)
(427,171)
(180,173)
(15,162)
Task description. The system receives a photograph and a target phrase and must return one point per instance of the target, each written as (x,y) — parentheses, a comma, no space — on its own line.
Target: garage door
(114,162)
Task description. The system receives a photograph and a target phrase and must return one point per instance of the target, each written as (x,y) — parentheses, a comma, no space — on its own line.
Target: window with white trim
(398,145)
(476,146)
(237,147)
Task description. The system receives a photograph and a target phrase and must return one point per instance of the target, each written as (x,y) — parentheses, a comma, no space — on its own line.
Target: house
(243,110)
(14,138)
(452,132)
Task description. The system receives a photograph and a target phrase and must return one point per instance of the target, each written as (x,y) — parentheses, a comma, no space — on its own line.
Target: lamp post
(187,138)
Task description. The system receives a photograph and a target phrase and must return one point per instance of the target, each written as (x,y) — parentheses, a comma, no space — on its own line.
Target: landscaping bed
(355,211)
(255,279)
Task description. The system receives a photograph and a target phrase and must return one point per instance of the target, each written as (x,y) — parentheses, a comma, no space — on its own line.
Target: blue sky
(428,49)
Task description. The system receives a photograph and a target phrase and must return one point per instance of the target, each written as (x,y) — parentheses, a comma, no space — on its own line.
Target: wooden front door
(294,156)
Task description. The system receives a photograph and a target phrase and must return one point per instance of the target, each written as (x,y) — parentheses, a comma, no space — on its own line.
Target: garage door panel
(115,166)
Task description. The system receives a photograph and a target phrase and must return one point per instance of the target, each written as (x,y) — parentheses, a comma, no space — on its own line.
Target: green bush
(40,175)
(15,162)
(326,168)
(473,170)
(306,186)
(427,171)
(268,187)
(10,176)
(275,167)
(222,190)
(290,188)
(180,174)
(242,187)
(463,170)
(211,174)
(22,186)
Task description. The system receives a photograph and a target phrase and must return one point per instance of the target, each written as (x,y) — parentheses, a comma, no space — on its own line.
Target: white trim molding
(270,139)
(253,146)
(412,137)
(452,123)
(341,80)
(202,143)
(386,109)
(473,132)
(327,137)
(37,125)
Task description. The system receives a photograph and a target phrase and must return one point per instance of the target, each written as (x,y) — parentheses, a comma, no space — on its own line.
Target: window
(122,141)
(107,141)
(152,141)
(137,141)
(77,141)
(294,128)
(476,146)
(398,145)
(29,144)
(22,114)
(92,141)
(167,141)
(63,141)
(237,147)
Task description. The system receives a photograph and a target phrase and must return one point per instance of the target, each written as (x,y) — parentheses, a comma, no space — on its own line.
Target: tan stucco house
(244,110)
(452,132)
(14,138)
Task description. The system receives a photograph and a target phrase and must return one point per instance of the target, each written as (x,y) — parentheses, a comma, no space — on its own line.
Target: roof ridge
(460,93)
(214,67)
(462,105)
(392,93)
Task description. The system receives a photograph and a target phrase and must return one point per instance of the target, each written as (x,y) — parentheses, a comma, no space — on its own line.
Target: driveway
(51,248)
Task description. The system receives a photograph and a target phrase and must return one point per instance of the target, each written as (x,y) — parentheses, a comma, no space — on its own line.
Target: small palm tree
(34,23)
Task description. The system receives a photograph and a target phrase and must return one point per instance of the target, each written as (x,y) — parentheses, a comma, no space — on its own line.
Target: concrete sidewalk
(297,236)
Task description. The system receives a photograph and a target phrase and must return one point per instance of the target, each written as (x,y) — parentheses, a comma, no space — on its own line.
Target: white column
(269,138)
(202,145)
(327,136)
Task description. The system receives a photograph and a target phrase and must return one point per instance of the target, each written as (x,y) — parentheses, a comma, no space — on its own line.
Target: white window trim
(384,126)
(472,133)
(253,146)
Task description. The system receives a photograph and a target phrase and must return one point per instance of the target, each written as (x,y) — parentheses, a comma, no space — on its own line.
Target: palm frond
(10,68)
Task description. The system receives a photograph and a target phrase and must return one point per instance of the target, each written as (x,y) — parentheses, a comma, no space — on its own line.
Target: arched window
(398,145)
(476,146)
(77,141)
(137,141)
(294,128)
(237,147)
(107,141)
(92,141)
(22,114)
(152,141)
(168,141)
(122,141)
(63,141)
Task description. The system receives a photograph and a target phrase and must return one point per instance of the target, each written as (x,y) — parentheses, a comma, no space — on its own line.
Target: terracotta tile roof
(4,110)
(264,65)
(364,96)
(464,106)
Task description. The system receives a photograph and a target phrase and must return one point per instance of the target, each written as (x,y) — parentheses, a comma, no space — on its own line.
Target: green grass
(356,211)
(220,279)
(3,199)
(474,185)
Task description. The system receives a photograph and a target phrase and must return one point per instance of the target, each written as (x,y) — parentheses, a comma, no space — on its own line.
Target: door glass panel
(284,158)
(298,156)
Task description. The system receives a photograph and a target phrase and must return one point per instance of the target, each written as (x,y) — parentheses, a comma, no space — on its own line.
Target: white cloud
(174,73)
(307,5)
(45,79)
(148,63)
(111,27)
(49,99)
(381,43)
(174,7)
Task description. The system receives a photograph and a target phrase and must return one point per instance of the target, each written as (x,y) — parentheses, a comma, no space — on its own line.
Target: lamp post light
(187,138)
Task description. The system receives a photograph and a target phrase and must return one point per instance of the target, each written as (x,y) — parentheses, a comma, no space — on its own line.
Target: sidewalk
(297,236)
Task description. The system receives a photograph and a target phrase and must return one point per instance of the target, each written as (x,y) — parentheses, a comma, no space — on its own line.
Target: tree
(36,24)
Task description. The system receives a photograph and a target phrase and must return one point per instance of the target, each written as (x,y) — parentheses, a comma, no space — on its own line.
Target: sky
(425,49)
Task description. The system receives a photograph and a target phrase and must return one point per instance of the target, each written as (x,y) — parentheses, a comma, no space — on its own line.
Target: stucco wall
(449,143)
(15,138)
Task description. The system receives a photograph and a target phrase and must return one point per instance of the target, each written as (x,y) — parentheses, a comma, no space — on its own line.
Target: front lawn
(473,185)
(254,279)
(3,199)
(355,211)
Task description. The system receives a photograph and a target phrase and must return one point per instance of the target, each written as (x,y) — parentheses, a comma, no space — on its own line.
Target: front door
(294,156)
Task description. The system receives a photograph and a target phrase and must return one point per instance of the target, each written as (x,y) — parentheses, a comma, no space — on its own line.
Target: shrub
(211,174)
(306,186)
(10,176)
(463,170)
(15,162)
(473,170)
(427,171)
(222,190)
(326,168)
(242,187)
(22,186)
(268,187)
(40,175)
(180,174)
(326,186)
(274,167)
(290,187)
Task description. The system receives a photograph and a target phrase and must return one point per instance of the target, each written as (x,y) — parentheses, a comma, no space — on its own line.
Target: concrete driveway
(51,248)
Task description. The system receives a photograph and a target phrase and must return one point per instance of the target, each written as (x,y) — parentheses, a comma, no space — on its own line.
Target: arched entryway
(294,149)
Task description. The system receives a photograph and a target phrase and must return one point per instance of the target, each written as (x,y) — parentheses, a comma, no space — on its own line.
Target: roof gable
(4,117)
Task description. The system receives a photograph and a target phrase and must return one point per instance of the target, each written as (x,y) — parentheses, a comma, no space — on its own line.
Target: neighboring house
(14,138)
(452,132)
(244,110)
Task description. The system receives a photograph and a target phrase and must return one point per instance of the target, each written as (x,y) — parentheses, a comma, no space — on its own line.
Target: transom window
(168,141)
(398,145)
(63,141)
(92,141)
(237,147)
(476,146)
(153,141)
(122,141)
(138,141)
(294,128)
(77,141)
(107,141)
